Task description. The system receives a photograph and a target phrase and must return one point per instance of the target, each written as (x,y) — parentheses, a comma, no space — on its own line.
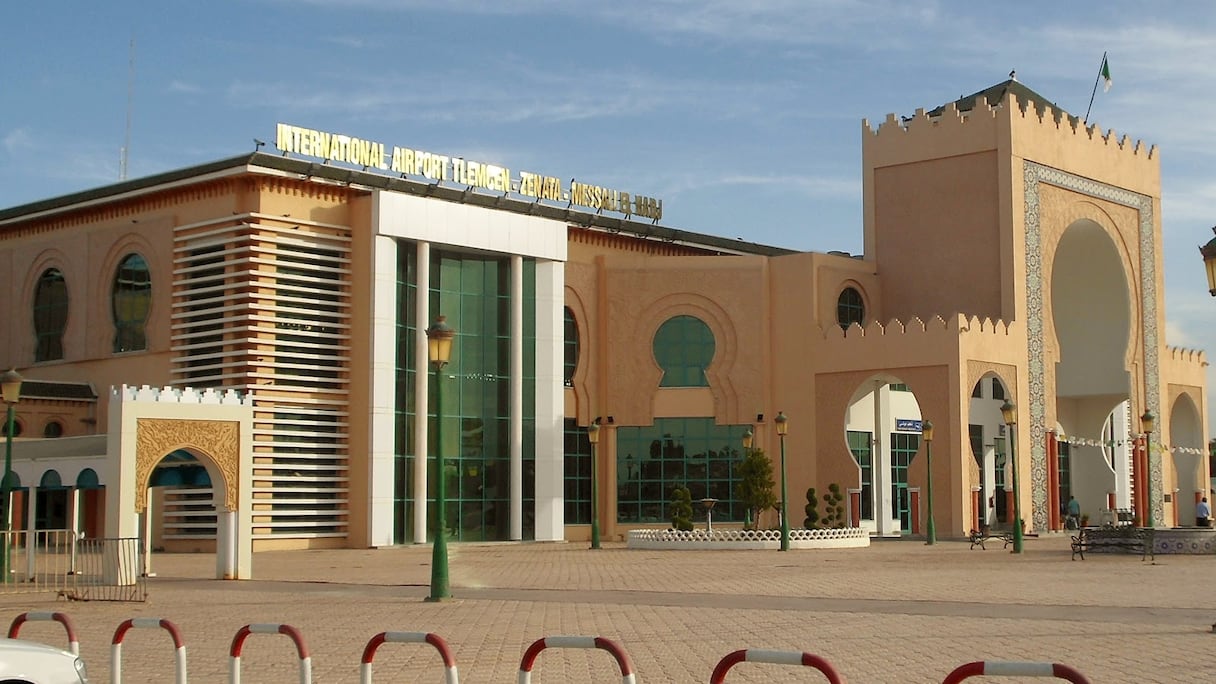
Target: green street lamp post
(1147,423)
(748,437)
(593,436)
(782,428)
(926,432)
(10,387)
(439,351)
(1010,414)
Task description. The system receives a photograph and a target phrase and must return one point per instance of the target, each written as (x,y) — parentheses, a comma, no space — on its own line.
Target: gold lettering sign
(472,174)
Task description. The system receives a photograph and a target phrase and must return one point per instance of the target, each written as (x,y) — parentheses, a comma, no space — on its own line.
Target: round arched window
(50,315)
(850,308)
(53,429)
(131,297)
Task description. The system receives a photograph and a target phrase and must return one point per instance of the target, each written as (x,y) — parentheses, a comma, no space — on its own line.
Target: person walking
(1203,513)
(1074,513)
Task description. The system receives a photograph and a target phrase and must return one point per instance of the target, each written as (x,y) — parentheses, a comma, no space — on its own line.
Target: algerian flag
(1107,80)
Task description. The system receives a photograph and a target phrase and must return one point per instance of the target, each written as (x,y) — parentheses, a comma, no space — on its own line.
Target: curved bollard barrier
(243,633)
(756,655)
(529,659)
(62,618)
(179,647)
(1014,669)
(369,652)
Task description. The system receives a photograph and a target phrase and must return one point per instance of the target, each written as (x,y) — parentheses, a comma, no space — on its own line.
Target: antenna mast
(126,144)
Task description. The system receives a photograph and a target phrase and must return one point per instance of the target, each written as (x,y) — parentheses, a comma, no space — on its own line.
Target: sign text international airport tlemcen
(437,167)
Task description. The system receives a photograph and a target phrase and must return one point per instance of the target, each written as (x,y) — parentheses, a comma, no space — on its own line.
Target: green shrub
(681,509)
(812,510)
(755,486)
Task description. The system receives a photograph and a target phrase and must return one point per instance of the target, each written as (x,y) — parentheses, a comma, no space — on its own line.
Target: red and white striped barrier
(999,668)
(757,655)
(529,659)
(179,647)
(62,618)
(243,633)
(369,652)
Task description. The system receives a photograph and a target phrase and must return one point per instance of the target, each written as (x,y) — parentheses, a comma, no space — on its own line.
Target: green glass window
(898,387)
(50,315)
(131,297)
(904,446)
(861,444)
(998,390)
(571,348)
(684,348)
(474,292)
(578,474)
(1064,452)
(850,308)
(677,452)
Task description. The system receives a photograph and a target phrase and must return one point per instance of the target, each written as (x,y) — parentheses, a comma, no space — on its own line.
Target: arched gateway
(147,424)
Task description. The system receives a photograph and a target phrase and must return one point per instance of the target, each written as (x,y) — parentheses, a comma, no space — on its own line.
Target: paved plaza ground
(898,611)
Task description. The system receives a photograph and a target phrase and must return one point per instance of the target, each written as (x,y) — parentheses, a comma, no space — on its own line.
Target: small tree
(755,486)
(812,510)
(833,514)
(681,509)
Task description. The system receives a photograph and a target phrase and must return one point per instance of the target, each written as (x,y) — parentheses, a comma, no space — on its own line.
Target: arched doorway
(1091,317)
(992,491)
(1185,445)
(883,432)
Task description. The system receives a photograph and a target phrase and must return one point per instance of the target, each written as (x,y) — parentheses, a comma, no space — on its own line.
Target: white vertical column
(382,404)
(550,408)
(884,507)
(422,409)
(515,430)
(74,525)
(988,511)
(146,533)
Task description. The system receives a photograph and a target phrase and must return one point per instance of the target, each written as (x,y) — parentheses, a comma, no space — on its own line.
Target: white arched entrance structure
(146,424)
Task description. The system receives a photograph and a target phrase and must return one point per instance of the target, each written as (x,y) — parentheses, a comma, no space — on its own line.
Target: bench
(1109,538)
(978,537)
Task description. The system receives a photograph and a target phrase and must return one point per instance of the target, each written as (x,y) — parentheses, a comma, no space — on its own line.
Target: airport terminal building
(233,357)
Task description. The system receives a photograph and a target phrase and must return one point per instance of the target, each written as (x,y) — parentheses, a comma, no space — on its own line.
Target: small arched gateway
(147,424)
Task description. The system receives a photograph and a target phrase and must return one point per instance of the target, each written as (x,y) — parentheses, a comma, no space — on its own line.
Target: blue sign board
(907,425)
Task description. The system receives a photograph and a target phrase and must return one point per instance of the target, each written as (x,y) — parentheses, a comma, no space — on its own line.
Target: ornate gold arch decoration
(214,439)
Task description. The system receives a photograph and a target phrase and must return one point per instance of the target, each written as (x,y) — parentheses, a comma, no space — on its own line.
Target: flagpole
(1095,91)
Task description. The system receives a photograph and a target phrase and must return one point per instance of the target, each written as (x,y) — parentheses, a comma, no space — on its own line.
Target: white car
(28,662)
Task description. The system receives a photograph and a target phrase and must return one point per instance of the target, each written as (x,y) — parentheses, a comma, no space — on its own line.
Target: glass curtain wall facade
(474,292)
(690,452)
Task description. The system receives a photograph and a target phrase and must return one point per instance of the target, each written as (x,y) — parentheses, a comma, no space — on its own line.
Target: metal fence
(35,561)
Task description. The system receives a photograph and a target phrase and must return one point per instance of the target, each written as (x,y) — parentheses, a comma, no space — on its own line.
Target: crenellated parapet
(947,326)
(1192,357)
(949,123)
(186,395)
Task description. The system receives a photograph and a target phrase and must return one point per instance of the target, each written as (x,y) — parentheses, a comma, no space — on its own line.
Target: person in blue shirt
(1203,513)
(1074,513)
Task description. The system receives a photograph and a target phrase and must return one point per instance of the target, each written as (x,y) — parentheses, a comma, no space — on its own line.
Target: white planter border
(840,538)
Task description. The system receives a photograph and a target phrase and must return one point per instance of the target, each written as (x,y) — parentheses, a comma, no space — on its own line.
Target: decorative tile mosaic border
(1033,174)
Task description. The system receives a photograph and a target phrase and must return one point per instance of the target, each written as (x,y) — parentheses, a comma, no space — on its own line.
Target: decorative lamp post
(748,438)
(1209,260)
(10,387)
(1010,414)
(782,428)
(1147,423)
(926,431)
(593,436)
(439,351)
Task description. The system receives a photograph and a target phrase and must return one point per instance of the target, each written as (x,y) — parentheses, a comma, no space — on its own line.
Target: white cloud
(176,86)
(18,139)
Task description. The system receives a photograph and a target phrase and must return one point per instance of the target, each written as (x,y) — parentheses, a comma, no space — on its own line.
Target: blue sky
(744,117)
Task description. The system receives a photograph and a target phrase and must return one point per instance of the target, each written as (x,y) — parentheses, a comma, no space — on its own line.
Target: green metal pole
(6,492)
(785,503)
(440,589)
(932,531)
(595,500)
(1017,494)
(1148,478)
